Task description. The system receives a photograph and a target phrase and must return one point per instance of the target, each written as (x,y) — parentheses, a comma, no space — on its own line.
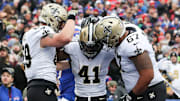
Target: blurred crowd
(160,20)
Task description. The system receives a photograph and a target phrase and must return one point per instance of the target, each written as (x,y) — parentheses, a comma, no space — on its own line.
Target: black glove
(88,20)
(129,97)
(72,14)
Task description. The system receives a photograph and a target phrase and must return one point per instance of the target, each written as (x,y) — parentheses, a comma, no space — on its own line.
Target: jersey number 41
(84,73)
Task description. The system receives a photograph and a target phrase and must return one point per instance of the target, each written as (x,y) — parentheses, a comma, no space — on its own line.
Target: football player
(89,60)
(39,45)
(66,77)
(135,57)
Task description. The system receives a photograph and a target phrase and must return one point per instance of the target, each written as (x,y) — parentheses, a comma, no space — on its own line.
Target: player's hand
(126,97)
(73,12)
(94,19)
(129,97)
(88,20)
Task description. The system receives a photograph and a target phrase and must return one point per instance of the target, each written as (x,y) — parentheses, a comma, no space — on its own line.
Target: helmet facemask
(91,50)
(89,45)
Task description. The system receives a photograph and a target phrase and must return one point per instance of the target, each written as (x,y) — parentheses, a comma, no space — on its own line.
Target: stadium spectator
(4,56)
(2,31)
(7,91)
(112,86)
(162,7)
(7,59)
(4,42)
(8,9)
(177,13)
(10,29)
(170,69)
(88,10)
(177,40)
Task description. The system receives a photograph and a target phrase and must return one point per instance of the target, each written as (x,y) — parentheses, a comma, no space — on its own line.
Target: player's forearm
(67,32)
(144,66)
(60,39)
(146,75)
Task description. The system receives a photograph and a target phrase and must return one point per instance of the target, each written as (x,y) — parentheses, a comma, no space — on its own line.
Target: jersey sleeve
(45,31)
(70,48)
(132,45)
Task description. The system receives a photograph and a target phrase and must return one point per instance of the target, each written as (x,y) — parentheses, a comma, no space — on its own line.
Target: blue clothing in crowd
(5,3)
(15,94)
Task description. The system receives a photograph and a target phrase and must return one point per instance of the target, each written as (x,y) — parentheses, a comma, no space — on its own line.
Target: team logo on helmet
(54,16)
(107,29)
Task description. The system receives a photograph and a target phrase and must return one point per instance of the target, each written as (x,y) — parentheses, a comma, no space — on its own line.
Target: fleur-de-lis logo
(107,29)
(48,91)
(152,95)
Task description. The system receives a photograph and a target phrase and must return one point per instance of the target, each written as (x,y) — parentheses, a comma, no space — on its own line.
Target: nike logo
(138,98)
(101,98)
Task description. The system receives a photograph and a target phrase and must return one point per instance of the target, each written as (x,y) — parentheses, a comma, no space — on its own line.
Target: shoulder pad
(131,46)
(46,30)
(132,27)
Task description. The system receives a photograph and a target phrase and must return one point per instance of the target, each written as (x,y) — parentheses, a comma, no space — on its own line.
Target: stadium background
(160,20)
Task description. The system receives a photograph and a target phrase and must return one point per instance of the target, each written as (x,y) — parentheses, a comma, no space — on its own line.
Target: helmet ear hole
(51,20)
(113,37)
(111,22)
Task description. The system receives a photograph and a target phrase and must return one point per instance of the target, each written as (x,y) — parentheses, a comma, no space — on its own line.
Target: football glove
(129,97)
(126,97)
(72,14)
(88,20)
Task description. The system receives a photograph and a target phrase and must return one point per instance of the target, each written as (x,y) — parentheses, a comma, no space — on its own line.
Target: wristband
(71,17)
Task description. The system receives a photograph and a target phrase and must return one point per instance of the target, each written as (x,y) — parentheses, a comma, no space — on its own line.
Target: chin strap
(123,37)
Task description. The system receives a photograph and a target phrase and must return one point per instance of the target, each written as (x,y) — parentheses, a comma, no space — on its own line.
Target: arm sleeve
(45,31)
